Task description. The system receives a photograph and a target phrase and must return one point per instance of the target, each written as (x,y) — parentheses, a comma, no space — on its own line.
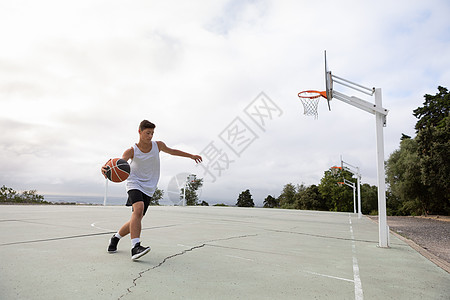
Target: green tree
(433,139)
(271,202)
(338,197)
(8,194)
(418,172)
(404,179)
(434,111)
(393,204)
(192,188)
(287,197)
(245,199)
(434,153)
(31,197)
(157,195)
(310,199)
(369,199)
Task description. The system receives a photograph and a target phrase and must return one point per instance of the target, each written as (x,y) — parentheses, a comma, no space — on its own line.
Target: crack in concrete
(140,274)
(232,238)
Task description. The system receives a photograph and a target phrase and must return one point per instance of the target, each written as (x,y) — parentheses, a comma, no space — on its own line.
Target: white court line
(238,257)
(101,228)
(329,276)
(356,278)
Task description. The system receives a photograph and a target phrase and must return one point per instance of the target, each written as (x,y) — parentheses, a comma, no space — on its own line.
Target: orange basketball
(118,170)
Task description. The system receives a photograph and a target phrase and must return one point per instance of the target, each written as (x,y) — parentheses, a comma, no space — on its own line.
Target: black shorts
(137,196)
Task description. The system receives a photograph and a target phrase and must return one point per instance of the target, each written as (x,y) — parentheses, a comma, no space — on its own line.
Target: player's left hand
(197,158)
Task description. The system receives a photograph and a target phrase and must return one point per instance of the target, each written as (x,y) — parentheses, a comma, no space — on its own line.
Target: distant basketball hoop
(335,170)
(191,178)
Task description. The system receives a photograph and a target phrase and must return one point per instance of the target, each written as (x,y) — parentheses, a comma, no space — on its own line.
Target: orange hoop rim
(313,94)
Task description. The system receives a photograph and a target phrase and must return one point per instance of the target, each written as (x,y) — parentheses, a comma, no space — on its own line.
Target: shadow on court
(59,252)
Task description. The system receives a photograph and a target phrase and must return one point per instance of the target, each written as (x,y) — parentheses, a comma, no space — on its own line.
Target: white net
(310,103)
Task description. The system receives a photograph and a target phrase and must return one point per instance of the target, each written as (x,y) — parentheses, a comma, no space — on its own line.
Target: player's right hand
(104,169)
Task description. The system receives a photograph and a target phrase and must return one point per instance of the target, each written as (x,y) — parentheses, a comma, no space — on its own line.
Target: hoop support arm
(347,183)
(354,171)
(362,104)
(353,85)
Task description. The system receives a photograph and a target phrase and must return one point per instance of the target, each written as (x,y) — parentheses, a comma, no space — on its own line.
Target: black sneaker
(139,251)
(113,244)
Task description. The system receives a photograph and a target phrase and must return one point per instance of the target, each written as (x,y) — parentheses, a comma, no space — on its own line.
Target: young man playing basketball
(141,184)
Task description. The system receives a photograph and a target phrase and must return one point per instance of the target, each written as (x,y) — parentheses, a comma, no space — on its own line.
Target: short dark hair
(146,124)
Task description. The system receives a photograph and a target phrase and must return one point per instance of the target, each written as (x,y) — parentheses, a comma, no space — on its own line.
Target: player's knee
(138,209)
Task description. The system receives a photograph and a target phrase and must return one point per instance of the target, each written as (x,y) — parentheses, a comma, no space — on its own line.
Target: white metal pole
(358,177)
(382,220)
(352,185)
(359,194)
(106,192)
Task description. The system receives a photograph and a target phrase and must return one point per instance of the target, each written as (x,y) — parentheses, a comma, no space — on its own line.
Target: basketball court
(59,252)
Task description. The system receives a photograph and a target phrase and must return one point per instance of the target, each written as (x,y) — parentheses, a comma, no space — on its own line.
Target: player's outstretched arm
(176,152)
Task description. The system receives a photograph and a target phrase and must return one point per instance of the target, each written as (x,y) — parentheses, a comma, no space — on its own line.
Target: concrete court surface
(59,252)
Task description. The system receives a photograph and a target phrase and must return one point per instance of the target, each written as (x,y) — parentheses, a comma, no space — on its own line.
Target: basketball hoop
(335,170)
(191,178)
(310,101)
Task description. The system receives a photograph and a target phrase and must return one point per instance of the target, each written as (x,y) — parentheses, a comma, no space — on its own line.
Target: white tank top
(144,174)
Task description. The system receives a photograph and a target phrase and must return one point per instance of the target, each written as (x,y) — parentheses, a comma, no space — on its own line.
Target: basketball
(118,170)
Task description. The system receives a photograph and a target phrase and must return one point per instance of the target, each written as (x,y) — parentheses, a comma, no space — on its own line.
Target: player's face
(147,134)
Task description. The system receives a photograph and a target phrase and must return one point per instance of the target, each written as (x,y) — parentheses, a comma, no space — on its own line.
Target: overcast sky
(77,77)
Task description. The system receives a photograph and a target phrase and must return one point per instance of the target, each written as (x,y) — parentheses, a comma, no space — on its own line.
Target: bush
(8,195)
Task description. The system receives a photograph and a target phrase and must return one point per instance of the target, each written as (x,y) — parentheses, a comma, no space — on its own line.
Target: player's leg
(139,202)
(136,219)
(134,196)
(123,231)
(133,226)
(140,205)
